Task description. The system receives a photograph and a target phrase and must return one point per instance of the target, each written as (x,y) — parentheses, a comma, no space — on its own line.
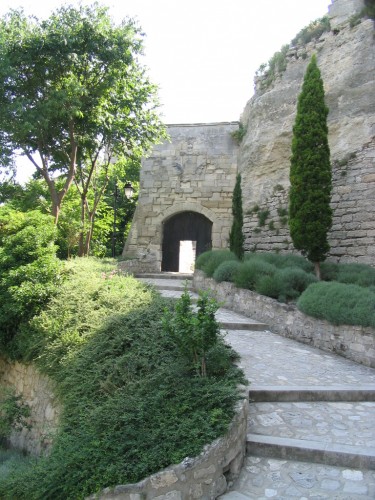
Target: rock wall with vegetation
(346,58)
(37,394)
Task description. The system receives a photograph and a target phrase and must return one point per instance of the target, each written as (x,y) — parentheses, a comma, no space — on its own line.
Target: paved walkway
(311,431)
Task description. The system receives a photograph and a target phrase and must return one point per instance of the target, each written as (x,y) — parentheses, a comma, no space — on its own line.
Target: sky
(202,54)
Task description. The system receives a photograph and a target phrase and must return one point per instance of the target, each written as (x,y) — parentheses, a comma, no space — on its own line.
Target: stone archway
(184,226)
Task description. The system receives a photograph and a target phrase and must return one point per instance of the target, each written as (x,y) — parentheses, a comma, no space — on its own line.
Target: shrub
(329,271)
(356,274)
(268,286)
(30,273)
(226,271)
(282,261)
(117,372)
(249,272)
(286,284)
(339,303)
(314,30)
(209,261)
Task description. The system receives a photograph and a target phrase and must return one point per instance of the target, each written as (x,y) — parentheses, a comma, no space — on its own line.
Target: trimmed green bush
(209,261)
(329,271)
(339,303)
(226,271)
(356,274)
(249,272)
(283,260)
(286,284)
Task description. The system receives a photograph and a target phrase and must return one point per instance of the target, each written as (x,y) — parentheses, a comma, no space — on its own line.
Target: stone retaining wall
(204,477)
(353,342)
(36,391)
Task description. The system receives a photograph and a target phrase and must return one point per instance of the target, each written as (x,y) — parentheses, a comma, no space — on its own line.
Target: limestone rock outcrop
(346,58)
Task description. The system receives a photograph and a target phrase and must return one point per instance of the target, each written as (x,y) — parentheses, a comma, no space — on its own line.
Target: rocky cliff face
(346,58)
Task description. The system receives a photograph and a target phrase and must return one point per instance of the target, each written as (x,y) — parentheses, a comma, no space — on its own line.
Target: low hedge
(345,296)
(226,271)
(286,284)
(209,261)
(249,273)
(339,303)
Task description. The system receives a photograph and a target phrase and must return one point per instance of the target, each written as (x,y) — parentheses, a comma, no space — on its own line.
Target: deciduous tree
(73,95)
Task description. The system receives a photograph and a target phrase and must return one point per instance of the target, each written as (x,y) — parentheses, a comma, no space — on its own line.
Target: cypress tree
(310,214)
(236,237)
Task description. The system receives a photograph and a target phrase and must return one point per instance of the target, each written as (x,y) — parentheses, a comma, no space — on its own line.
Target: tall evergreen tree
(310,214)
(236,237)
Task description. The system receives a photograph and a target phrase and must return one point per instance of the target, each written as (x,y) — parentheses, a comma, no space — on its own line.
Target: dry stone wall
(36,391)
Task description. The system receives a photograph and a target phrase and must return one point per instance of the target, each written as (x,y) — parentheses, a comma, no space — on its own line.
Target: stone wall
(346,58)
(196,172)
(36,391)
(204,477)
(353,342)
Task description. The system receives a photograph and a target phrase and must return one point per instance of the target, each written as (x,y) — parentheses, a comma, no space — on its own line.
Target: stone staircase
(311,430)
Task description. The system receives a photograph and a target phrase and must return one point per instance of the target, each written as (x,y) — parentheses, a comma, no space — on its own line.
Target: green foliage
(283,261)
(73,91)
(278,62)
(239,134)
(30,273)
(367,11)
(314,30)
(262,217)
(13,412)
(275,66)
(339,303)
(117,372)
(250,271)
(286,284)
(356,274)
(209,261)
(226,271)
(310,214)
(195,333)
(282,212)
(236,236)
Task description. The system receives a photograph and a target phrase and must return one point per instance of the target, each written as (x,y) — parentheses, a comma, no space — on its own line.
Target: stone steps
(316,393)
(296,442)
(338,455)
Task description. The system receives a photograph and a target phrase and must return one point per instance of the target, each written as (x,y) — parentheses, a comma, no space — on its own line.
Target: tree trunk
(317,270)
(81,242)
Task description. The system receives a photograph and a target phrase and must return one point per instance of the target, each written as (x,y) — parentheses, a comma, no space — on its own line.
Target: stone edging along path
(353,342)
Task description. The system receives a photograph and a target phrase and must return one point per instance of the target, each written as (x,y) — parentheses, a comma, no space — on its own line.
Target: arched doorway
(180,229)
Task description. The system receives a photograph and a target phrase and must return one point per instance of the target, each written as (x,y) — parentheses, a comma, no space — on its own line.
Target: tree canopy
(73,96)
(310,214)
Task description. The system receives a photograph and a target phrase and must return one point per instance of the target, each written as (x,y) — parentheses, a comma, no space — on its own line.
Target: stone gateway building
(185,201)
(187,184)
